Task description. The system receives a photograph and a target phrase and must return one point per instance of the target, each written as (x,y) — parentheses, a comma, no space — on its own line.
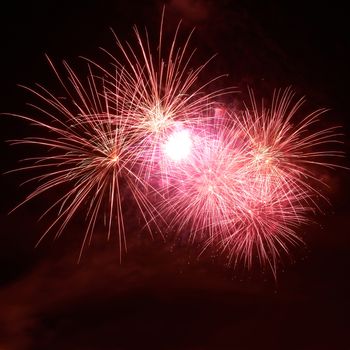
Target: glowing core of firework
(178,145)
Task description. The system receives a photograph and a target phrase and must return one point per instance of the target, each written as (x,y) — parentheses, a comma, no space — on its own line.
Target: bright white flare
(178,145)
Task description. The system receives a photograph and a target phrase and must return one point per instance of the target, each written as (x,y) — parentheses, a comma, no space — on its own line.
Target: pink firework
(286,146)
(281,182)
(246,188)
(109,135)
(267,224)
(161,91)
(145,128)
(88,149)
(206,187)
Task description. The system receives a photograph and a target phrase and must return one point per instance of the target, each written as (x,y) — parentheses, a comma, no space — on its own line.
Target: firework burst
(206,187)
(285,146)
(284,150)
(247,186)
(161,90)
(87,148)
(241,182)
(108,137)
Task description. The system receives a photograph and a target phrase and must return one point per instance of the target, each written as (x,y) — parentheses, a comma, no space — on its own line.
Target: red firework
(247,186)
(88,149)
(285,145)
(161,91)
(206,187)
(241,182)
(110,132)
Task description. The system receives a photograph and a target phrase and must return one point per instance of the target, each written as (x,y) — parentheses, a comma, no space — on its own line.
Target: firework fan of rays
(205,189)
(88,149)
(278,195)
(265,227)
(160,89)
(284,149)
(246,187)
(248,179)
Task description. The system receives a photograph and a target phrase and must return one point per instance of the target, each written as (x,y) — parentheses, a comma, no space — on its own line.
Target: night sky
(162,296)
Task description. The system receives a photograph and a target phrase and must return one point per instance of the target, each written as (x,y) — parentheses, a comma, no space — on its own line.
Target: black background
(162,296)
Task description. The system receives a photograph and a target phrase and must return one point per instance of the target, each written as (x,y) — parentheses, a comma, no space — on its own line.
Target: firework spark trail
(161,91)
(88,149)
(241,182)
(107,137)
(280,186)
(205,188)
(265,231)
(246,188)
(287,150)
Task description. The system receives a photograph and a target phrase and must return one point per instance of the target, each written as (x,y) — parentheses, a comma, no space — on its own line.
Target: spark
(87,150)
(160,88)
(239,181)
(286,145)
(206,189)
(105,137)
(281,184)
(247,188)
